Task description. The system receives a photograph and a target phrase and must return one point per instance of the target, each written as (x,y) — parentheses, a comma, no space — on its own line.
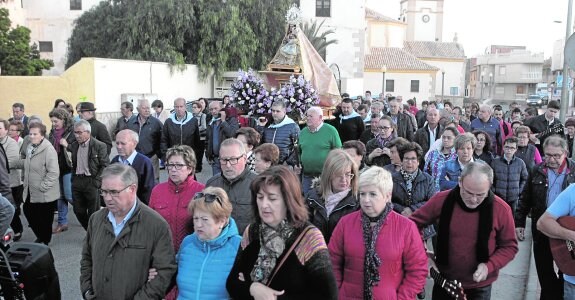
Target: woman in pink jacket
(171,198)
(377,253)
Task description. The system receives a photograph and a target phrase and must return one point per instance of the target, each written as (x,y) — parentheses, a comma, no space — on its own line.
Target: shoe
(17,236)
(60,228)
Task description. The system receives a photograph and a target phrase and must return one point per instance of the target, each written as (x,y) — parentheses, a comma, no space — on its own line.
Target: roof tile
(428,49)
(395,59)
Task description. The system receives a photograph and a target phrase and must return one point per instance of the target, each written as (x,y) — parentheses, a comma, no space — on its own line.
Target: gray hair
(132,134)
(279,103)
(126,173)
(485,106)
(476,168)
(377,104)
(84,125)
(463,139)
(231,142)
(315,109)
(378,177)
(141,102)
(34,119)
(556,141)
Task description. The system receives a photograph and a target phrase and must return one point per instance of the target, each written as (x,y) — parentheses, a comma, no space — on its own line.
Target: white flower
(247,85)
(254,90)
(292,100)
(308,100)
(242,102)
(299,91)
(312,91)
(293,80)
(260,104)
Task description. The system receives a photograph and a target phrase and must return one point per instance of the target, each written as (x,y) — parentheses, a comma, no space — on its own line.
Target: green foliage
(216,35)
(17,55)
(318,37)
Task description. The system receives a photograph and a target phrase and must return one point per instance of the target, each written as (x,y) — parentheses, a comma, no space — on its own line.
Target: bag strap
(290,250)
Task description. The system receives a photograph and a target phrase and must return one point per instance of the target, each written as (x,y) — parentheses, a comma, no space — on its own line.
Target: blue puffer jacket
(203,267)
(450,175)
(284,135)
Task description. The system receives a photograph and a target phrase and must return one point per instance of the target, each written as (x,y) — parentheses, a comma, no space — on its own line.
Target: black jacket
(404,126)
(423,189)
(70,138)
(318,213)
(422,137)
(534,197)
(227,130)
(183,132)
(97,158)
(349,129)
(100,132)
(150,136)
(509,178)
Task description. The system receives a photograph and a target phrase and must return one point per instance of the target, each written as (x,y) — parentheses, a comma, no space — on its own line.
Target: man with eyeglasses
(123,241)
(475,236)
(283,132)
(235,179)
(431,132)
(541,123)
(510,174)
(546,181)
(89,158)
(126,141)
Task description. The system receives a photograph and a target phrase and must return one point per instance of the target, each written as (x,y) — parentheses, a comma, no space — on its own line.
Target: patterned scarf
(272,245)
(382,142)
(372,260)
(408,178)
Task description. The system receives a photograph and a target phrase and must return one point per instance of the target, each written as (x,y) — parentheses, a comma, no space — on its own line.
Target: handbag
(290,250)
(67,154)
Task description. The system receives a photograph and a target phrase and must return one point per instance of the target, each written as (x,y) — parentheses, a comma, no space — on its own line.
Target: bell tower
(424,19)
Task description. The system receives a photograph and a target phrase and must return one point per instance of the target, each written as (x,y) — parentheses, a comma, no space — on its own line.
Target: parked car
(536,100)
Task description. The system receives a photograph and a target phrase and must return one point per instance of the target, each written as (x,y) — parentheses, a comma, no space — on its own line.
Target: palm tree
(318,40)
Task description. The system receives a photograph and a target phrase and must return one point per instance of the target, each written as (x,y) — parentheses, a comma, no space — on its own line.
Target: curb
(532,288)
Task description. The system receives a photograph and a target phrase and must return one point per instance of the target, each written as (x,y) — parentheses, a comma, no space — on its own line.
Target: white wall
(402,84)
(53,21)
(386,34)
(115,77)
(16,12)
(454,76)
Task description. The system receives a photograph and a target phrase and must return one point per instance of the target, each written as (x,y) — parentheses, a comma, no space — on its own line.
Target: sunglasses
(208,198)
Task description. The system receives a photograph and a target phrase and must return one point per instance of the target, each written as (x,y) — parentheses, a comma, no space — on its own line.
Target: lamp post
(442,84)
(383,70)
(481,81)
(490,85)
(564,87)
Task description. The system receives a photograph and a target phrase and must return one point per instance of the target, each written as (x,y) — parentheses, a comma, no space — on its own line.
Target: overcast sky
(481,23)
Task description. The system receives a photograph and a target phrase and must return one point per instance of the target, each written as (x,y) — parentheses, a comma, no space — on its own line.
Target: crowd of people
(352,207)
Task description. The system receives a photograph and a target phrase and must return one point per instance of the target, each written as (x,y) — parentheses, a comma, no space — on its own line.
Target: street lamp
(490,85)
(383,70)
(481,81)
(564,88)
(442,84)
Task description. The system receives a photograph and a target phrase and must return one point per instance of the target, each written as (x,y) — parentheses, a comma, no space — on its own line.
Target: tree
(318,37)
(216,35)
(17,55)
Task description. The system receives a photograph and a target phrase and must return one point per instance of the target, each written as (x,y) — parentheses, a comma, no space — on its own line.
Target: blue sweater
(203,266)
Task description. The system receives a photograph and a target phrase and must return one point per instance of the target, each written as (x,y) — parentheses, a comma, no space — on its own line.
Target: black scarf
(372,260)
(484,229)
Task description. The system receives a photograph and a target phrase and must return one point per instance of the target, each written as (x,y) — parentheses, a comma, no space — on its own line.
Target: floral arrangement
(299,95)
(249,95)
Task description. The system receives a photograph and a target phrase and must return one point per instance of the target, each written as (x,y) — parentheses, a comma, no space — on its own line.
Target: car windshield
(534,97)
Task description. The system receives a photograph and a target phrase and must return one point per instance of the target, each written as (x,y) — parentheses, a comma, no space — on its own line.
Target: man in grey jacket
(123,241)
(235,179)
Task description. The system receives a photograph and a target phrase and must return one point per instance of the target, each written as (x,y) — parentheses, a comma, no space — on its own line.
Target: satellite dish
(570,51)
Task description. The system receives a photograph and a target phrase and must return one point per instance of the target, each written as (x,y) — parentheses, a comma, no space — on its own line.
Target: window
(322,8)
(454,91)
(520,89)
(390,85)
(75,4)
(45,47)
(415,86)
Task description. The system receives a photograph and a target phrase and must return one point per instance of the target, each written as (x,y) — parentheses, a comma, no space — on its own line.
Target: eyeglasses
(231,160)
(556,156)
(174,166)
(385,127)
(79,132)
(346,176)
(13,130)
(208,198)
(522,137)
(112,193)
(410,158)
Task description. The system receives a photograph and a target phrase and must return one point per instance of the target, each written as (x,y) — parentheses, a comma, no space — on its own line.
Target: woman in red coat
(171,198)
(377,253)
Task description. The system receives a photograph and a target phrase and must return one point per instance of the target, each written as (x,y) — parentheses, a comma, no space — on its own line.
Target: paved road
(67,246)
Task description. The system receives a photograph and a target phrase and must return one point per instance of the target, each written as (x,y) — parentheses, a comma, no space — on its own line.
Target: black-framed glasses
(556,156)
(78,132)
(175,166)
(208,198)
(112,193)
(231,160)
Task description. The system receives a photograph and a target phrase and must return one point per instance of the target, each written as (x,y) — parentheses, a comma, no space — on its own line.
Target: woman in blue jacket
(206,256)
